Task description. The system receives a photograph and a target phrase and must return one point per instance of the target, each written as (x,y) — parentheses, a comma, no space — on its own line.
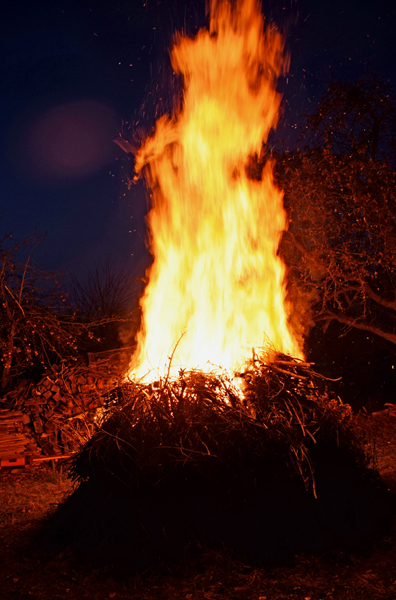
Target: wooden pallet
(27,461)
(14,443)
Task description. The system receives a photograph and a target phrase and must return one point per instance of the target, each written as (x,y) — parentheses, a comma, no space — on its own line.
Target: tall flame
(216,287)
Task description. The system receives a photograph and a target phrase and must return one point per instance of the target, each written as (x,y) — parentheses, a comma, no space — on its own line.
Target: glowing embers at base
(216,286)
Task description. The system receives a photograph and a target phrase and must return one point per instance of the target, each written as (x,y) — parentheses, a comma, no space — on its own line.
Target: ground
(29,573)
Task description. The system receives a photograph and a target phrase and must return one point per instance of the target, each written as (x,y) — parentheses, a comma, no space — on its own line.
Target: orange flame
(216,287)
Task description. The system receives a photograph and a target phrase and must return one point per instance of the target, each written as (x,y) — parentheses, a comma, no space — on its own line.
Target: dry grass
(204,424)
(28,573)
(26,497)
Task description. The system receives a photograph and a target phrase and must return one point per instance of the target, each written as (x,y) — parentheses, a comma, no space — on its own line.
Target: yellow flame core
(216,287)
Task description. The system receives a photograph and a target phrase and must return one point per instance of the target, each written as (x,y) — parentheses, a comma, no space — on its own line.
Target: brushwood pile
(269,469)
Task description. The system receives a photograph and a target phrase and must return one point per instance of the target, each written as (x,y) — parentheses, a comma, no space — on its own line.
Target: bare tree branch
(355,323)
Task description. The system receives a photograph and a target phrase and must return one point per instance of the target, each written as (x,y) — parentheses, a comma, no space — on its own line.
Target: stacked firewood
(15,443)
(63,409)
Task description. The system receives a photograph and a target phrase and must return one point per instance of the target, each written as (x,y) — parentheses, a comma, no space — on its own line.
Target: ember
(216,287)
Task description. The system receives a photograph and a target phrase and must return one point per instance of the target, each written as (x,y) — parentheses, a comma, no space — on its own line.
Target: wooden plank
(55,457)
(11,420)
(13,436)
(12,444)
(11,447)
(10,413)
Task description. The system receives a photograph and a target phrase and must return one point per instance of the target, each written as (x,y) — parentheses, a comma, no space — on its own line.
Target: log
(68,395)
(35,401)
(15,448)
(6,414)
(7,437)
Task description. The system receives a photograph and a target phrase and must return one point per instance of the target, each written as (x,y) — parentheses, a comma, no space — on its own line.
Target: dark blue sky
(76,74)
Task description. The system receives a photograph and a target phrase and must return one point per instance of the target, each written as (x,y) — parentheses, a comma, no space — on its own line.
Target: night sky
(76,75)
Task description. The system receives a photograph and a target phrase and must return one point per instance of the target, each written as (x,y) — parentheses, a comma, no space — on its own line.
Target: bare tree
(108,298)
(341,199)
(37,328)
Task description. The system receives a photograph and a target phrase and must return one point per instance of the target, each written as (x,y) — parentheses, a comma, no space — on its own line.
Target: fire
(216,287)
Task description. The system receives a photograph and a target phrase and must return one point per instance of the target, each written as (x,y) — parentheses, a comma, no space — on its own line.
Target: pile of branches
(206,460)
(208,428)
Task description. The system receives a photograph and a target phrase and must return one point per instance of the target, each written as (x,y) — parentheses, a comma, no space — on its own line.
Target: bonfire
(221,433)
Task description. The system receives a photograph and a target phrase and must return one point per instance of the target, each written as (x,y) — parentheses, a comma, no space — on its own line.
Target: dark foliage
(37,328)
(42,325)
(340,198)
